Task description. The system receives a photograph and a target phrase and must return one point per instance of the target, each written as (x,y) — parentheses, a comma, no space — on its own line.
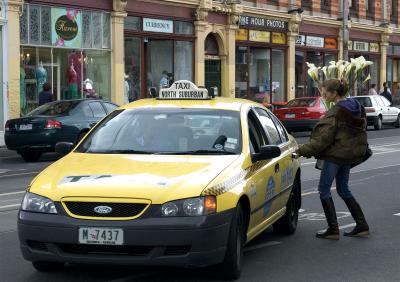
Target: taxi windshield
(166,131)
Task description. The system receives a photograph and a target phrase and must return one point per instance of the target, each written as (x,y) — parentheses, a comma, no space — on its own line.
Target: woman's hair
(334,85)
(46,86)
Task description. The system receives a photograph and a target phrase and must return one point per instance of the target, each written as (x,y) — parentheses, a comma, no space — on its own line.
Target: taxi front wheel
(231,267)
(288,223)
(47,266)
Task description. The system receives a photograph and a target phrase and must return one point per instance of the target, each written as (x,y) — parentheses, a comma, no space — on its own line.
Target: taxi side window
(281,129)
(269,127)
(257,138)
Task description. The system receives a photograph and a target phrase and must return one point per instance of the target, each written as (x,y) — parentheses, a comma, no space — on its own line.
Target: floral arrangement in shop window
(350,73)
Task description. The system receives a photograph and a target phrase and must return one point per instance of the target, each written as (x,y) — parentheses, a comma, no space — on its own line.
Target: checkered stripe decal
(229,184)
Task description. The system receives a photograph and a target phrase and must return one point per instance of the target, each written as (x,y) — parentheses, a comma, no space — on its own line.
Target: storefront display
(317,50)
(165,59)
(370,51)
(393,72)
(261,59)
(73,47)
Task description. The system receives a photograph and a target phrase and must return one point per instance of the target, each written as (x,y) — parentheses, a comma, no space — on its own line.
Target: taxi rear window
(167,131)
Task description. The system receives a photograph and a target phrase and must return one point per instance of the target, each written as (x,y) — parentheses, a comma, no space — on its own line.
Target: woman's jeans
(329,172)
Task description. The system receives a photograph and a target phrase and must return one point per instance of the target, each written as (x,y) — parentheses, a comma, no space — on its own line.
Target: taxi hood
(158,178)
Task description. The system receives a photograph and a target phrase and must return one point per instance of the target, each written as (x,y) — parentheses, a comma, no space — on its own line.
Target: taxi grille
(118,209)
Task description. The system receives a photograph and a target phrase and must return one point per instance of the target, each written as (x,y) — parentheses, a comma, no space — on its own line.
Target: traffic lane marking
(11,200)
(18,174)
(5,170)
(397,214)
(11,193)
(10,206)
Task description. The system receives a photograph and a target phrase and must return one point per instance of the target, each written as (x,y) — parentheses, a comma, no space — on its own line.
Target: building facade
(125,50)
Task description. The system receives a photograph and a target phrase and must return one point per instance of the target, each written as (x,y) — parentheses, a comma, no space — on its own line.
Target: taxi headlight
(190,207)
(36,203)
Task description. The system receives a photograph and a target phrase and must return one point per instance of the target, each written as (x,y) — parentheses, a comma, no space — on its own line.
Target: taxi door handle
(295,156)
(276,168)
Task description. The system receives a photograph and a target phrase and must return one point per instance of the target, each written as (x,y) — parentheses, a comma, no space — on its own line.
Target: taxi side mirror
(64,148)
(266,153)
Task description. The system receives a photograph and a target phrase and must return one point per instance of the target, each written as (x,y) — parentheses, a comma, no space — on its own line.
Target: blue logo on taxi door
(269,194)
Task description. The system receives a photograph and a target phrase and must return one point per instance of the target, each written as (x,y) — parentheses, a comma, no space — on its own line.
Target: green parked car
(65,120)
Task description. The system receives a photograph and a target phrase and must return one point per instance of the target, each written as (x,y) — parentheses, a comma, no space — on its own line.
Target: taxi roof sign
(183,90)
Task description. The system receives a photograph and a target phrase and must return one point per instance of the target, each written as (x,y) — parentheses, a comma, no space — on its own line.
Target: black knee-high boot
(362,228)
(330,213)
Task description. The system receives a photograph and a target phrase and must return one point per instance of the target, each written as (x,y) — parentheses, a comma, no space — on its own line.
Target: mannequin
(126,89)
(72,77)
(41,77)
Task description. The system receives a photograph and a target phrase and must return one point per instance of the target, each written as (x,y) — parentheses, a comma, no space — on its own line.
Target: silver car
(379,111)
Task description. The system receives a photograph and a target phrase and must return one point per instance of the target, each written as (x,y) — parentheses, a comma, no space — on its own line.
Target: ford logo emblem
(103,209)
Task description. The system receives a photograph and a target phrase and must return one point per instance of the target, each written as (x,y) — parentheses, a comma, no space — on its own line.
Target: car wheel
(231,267)
(31,156)
(288,223)
(47,266)
(397,123)
(378,123)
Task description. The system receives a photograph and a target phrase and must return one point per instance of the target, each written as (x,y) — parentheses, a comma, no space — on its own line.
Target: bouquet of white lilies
(348,72)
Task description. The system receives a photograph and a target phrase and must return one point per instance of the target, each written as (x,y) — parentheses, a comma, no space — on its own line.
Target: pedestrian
(386,93)
(372,90)
(46,95)
(339,139)
(164,82)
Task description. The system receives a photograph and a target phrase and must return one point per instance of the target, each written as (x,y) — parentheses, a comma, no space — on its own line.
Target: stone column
(384,45)
(340,44)
(117,53)
(199,65)
(291,56)
(14,10)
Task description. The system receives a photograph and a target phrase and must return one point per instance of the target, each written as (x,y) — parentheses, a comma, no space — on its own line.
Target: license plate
(101,236)
(25,127)
(290,116)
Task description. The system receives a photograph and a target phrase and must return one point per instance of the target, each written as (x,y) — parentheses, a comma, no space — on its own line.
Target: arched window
(211,45)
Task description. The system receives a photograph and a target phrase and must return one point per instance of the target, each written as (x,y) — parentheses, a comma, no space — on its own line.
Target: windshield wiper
(204,152)
(121,152)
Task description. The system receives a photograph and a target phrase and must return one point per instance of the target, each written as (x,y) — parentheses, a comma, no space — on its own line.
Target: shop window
(185,28)
(159,64)
(241,75)
(86,30)
(300,62)
(34,25)
(45,24)
(211,45)
(278,75)
(97,72)
(259,74)
(132,68)
(106,31)
(23,25)
(132,23)
(97,40)
(183,60)
(396,50)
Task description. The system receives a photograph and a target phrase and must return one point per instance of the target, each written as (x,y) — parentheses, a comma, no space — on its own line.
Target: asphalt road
(300,257)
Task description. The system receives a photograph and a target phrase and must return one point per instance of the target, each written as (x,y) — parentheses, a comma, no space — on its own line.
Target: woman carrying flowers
(340,140)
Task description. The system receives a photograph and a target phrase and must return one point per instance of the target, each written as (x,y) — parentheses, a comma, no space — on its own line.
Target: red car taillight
(52,124)
(370,110)
(7,126)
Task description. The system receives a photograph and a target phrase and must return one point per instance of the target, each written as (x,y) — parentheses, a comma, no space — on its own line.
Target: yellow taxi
(183,179)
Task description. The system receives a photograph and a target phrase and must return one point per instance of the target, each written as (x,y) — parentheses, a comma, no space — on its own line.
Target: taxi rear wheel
(288,223)
(47,266)
(231,267)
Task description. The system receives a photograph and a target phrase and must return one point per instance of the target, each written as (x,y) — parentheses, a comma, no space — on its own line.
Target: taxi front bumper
(173,241)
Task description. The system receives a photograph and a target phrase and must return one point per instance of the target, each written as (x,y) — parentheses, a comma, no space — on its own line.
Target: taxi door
(264,179)
(276,135)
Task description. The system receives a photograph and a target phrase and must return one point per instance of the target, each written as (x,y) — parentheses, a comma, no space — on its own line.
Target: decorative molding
(15,6)
(119,5)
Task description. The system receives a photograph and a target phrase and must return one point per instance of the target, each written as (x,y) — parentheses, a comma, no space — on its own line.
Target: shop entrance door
(213,75)
(159,64)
